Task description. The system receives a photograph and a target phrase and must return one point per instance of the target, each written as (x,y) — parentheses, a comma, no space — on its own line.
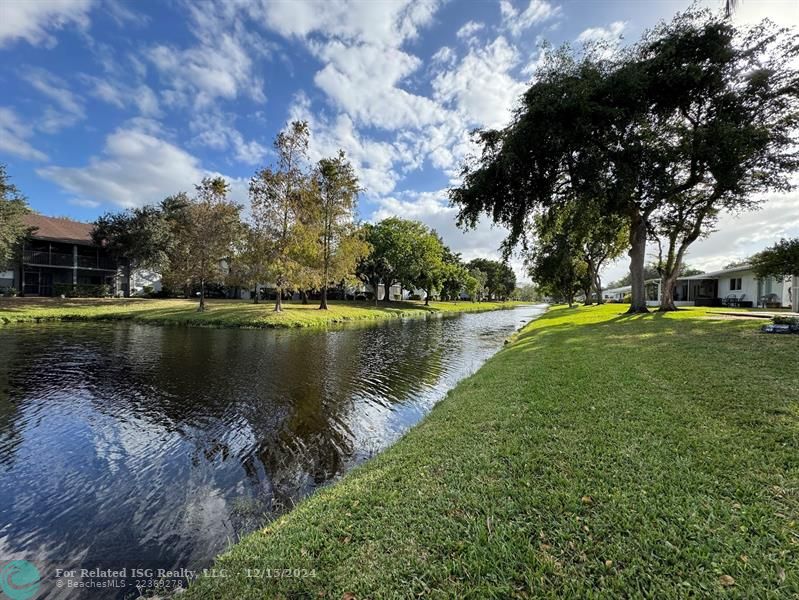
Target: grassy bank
(221,313)
(598,455)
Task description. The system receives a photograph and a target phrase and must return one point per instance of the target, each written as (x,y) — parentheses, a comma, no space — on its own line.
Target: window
(735,284)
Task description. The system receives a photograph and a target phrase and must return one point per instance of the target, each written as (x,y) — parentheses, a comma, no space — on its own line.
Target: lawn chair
(731,300)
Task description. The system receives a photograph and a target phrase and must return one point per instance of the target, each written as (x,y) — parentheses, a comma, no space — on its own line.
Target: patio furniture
(731,300)
(770,301)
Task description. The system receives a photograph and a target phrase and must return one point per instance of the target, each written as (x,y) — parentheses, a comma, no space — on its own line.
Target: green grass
(222,313)
(596,456)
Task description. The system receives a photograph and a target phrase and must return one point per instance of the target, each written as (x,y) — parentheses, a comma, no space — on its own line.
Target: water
(131,445)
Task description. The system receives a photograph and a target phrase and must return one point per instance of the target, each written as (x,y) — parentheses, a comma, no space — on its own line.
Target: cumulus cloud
(389,22)
(469,29)
(610,34)
(220,65)
(481,86)
(136,168)
(538,11)
(35,20)
(14,134)
(377,163)
(363,81)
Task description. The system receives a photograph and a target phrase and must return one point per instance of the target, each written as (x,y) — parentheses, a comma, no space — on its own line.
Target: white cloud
(385,23)
(376,163)
(14,134)
(83,202)
(444,56)
(113,92)
(219,66)
(481,87)
(362,80)
(469,29)
(610,34)
(538,11)
(136,168)
(69,109)
(216,130)
(33,20)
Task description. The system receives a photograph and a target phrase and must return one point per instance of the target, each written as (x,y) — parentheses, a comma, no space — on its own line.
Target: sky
(110,104)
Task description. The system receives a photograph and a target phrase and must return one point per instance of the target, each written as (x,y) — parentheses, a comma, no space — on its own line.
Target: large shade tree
(697,117)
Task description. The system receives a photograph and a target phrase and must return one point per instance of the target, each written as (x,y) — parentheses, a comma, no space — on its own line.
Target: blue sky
(113,103)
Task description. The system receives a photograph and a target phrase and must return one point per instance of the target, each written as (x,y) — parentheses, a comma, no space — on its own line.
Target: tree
(339,245)
(13,208)
(428,263)
(727,126)
(477,284)
(593,237)
(500,278)
(780,261)
(372,266)
(277,196)
(557,268)
(139,238)
(211,227)
(697,115)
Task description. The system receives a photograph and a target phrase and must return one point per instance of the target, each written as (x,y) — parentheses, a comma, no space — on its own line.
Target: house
(736,286)
(59,255)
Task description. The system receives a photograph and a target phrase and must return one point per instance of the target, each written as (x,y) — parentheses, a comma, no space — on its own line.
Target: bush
(82,290)
(415,297)
(8,292)
(792,322)
(628,299)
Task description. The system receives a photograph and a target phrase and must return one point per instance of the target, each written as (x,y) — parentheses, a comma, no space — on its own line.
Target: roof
(55,229)
(721,273)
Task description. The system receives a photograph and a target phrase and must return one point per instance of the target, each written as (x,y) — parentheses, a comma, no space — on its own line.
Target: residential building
(58,255)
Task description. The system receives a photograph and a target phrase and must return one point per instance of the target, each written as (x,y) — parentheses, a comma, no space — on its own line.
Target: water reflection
(128,444)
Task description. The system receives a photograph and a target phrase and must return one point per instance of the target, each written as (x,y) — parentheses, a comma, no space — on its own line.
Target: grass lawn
(221,313)
(598,455)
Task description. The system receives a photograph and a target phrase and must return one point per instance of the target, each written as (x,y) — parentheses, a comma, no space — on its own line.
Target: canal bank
(598,453)
(225,313)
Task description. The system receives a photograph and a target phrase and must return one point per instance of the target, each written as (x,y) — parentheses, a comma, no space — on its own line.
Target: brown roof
(59,230)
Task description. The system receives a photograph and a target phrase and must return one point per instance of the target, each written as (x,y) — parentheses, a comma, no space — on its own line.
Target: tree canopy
(696,119)
(13,207)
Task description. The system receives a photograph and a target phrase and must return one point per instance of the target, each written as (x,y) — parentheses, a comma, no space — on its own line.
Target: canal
(157,447)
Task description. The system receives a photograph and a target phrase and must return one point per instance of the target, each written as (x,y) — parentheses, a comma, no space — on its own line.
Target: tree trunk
(323,303)
(304,294)
(427,298)
(587,293)
(668,284)
(637,256)
(375,284)
(279,300)
(387,292)
(201,308)
(598,288)
(257,299)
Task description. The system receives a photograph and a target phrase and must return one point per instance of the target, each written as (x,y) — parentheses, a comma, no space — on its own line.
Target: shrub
(792,322)
(82,290)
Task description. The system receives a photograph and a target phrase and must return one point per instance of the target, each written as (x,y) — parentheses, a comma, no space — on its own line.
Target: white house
(736,286)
